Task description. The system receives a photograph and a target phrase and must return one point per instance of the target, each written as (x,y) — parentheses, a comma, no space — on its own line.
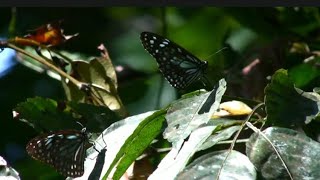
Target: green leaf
(140,139)
(181,153)
(208,166)
(289,106)
(183,117)
(98,118)
(300,153)
(185,120)
(258,20)
(220,136)
(112,139)
(44,114)
(303,74)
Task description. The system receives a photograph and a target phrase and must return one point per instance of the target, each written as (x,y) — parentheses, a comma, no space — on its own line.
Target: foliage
(271,58)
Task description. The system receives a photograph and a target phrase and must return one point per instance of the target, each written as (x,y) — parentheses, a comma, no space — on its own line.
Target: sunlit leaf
(208,166)
(183,117)
(100,74)
(184,120)
(50,34)
(300,153)
(181,153)
(137,142)
(115,137)
(221,135)
(232,108)
(8,172)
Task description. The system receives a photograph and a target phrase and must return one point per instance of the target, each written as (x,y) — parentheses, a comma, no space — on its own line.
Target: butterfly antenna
(80,124)
(224,48)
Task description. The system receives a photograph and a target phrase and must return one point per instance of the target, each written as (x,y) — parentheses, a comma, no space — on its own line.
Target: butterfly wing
(64,150)
(177,65)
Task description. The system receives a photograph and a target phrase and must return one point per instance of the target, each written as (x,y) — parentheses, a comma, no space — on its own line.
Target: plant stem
(47,63)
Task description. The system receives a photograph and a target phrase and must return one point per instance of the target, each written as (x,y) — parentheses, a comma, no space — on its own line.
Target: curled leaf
(48,35)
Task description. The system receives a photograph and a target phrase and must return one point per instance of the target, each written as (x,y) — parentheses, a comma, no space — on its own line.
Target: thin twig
(274,148)
(235,138)
(50,65)
(230,141)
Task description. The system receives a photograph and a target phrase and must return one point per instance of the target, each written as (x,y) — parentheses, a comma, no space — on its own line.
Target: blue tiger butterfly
(64,150)
(177,65)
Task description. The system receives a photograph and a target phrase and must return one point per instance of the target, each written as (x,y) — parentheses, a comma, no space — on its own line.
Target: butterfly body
(64,150)
(178,66)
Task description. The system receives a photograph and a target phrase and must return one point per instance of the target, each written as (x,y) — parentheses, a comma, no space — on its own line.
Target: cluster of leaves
(279,151)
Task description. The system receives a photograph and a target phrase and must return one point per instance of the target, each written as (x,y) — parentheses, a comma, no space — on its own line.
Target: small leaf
(208,166)
(300,153)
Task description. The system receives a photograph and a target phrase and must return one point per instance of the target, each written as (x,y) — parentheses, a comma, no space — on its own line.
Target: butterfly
(177,65)
(64,150)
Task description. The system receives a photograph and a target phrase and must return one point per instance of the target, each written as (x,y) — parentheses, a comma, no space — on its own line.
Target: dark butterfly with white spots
(178,66)
(64,150)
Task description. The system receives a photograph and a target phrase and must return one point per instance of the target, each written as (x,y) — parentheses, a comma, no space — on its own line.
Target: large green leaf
(287,105)
(136,143)
(300,154)
(222,135)
(303,74)
(208,166)
(114,140)
(181,153)
(97,118)
(46,114)
(183,117)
